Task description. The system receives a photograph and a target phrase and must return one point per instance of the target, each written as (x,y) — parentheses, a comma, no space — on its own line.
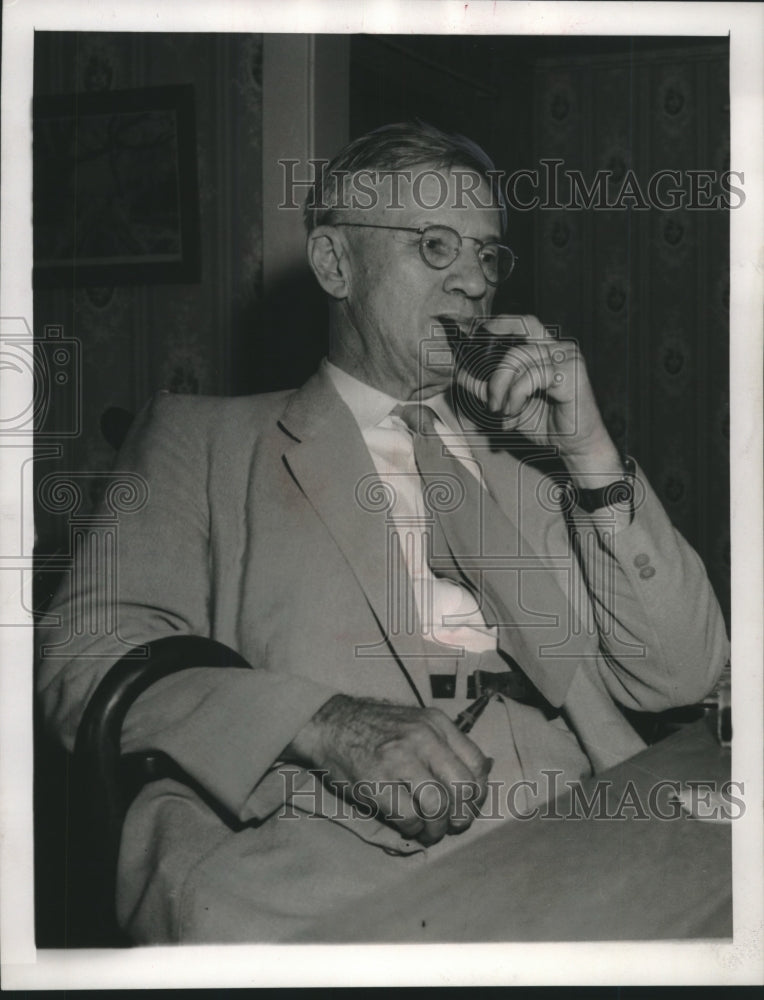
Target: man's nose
(466,275)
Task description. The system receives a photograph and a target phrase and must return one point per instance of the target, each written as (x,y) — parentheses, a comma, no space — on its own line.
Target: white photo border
(591,963)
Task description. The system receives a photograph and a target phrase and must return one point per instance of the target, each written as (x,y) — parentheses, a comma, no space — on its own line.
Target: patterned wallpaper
(195,338)
(646,290)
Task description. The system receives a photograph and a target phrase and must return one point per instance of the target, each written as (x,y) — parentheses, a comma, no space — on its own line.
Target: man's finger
(424,806)
(461,768)
(521,371)
(461,790)
(514,326)
(510,368)
(465,748)
(540,378)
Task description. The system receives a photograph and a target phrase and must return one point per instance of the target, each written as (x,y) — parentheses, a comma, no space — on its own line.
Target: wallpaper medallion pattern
(647,291)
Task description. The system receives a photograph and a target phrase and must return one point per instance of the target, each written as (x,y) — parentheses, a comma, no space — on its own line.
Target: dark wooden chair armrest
(107,781)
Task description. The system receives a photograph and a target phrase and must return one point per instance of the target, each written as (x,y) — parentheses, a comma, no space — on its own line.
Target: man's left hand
(542,388)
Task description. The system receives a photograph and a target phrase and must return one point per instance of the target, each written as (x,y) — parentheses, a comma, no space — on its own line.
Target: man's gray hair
(394,148)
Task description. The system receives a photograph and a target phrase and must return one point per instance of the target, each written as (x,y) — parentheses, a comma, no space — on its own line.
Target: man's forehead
(423,193)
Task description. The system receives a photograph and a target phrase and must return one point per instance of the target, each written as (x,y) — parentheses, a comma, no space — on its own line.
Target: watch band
(618,493)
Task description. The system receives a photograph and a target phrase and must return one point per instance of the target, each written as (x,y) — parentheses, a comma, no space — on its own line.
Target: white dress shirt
(447,612)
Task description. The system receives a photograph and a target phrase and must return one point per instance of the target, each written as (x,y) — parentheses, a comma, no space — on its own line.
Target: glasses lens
(497,261)
(439,246)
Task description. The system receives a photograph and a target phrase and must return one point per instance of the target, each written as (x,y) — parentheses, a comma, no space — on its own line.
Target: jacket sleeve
(662,635)
(226,728)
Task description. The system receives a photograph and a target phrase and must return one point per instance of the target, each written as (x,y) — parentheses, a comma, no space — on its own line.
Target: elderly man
(378,555)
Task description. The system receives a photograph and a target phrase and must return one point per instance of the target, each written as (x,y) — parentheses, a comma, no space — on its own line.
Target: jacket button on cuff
(647,572)
(641,560)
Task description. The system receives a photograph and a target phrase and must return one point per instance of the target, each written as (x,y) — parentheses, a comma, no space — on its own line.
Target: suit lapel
(328,458)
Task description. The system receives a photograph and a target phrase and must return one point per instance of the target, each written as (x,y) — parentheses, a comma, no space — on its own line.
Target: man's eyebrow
(493,237)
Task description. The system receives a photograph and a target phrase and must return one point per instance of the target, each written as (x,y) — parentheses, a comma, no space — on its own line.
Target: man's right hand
(421,772)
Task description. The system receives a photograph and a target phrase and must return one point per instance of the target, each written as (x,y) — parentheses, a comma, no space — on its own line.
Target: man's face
(397,308)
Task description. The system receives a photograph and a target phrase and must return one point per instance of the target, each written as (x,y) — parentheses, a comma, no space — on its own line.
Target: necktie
(477,542)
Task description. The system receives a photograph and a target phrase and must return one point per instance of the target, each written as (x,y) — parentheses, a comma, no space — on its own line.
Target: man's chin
(437,365)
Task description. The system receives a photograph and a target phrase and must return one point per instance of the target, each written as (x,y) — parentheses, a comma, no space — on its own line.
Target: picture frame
(115,188)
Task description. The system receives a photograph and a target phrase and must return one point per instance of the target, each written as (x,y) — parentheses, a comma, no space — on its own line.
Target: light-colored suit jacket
(255,533)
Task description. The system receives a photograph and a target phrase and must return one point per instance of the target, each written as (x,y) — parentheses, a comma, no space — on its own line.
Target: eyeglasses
(439,246)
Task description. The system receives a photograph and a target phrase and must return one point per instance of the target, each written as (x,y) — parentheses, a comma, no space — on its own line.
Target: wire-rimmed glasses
(439,246)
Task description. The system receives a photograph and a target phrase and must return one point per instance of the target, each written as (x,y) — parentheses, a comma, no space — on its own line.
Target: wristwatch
(618,493)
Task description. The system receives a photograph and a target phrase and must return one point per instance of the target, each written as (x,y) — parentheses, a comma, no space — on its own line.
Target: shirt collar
(368,405)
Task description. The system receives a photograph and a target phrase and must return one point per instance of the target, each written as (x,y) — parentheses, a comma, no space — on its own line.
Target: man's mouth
(462,334)
(456,327)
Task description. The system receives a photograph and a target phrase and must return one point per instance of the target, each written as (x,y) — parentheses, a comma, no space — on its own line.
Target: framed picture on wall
(115,193)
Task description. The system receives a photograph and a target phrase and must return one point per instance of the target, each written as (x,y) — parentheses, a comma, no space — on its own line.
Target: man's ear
(328,259)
